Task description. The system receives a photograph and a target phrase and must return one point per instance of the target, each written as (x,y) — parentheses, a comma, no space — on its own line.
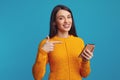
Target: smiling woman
(61,50)
(63,21)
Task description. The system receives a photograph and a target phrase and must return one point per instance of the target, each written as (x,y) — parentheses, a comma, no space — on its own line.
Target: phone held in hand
(90,47)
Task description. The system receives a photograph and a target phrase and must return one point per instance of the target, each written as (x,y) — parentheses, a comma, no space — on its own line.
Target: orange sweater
(64,61)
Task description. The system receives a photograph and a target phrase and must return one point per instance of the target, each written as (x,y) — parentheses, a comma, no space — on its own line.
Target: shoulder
(78,39)
(42,42)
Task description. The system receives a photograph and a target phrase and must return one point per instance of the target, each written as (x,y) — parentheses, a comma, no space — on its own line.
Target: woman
(61,50)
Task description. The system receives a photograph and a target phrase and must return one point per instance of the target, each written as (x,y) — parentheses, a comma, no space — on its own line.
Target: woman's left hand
(86,55)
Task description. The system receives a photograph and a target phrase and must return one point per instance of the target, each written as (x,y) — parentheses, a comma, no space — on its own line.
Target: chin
(67,30)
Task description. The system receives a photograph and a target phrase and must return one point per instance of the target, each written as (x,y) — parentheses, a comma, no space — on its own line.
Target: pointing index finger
(56,42)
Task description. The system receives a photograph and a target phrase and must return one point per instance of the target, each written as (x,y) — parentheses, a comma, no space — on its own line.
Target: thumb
(48,38)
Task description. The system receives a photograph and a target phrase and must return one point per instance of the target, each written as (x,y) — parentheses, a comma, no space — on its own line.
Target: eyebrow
(63,15)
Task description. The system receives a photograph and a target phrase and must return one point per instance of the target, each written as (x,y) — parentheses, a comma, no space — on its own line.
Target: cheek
(70,21)
(58,23)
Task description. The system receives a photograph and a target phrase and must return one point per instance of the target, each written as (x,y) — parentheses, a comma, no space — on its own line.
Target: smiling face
(63,21)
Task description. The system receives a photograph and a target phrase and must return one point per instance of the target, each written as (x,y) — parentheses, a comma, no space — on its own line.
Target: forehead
(63,12)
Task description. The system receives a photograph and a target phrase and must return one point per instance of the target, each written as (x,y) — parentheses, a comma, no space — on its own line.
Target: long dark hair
(53,27)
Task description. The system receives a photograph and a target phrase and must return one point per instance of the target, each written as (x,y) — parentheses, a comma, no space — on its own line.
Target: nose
(66,20)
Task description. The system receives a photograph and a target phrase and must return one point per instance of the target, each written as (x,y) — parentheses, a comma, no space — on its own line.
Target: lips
(66,25)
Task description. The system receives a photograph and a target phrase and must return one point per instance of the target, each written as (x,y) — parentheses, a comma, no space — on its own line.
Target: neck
(63,34)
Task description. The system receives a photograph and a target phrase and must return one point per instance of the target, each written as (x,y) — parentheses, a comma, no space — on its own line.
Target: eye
(69,16)
(60,18)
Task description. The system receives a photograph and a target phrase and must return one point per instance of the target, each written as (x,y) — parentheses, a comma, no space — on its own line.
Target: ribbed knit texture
(64,61)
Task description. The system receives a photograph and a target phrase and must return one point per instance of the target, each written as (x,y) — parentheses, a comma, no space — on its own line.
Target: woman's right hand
(49,45)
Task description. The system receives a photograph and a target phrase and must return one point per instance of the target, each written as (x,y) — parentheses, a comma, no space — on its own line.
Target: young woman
(61,49)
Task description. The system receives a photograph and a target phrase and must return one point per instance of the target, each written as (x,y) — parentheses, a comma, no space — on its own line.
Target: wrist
(84,60)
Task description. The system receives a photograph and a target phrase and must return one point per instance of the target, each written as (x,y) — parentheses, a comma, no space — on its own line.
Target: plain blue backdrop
(24,23)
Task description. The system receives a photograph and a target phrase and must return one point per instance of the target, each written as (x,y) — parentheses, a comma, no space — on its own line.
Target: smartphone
(89,47)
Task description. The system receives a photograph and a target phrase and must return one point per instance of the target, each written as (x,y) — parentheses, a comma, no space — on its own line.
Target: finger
(85,57)
(56,42)
(48,38)
(85,53)
(89,52)
(51,44)
(51,48)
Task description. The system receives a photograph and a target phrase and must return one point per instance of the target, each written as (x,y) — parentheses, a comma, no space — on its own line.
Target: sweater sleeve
(85,68)
(39,67)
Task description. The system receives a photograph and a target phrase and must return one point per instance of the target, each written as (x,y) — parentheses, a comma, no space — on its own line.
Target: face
(63,21)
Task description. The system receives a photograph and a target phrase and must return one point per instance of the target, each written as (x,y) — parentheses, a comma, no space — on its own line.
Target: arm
(85,68)
(85,64)
(40,64)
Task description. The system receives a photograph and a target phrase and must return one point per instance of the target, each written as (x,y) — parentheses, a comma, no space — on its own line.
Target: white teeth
(66,26)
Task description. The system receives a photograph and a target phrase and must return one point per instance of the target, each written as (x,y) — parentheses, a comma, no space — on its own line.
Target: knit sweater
(63,60)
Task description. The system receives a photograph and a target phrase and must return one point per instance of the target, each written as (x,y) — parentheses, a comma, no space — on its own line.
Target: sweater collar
(60,38)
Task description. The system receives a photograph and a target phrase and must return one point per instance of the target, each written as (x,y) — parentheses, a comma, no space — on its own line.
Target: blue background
(24,23)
